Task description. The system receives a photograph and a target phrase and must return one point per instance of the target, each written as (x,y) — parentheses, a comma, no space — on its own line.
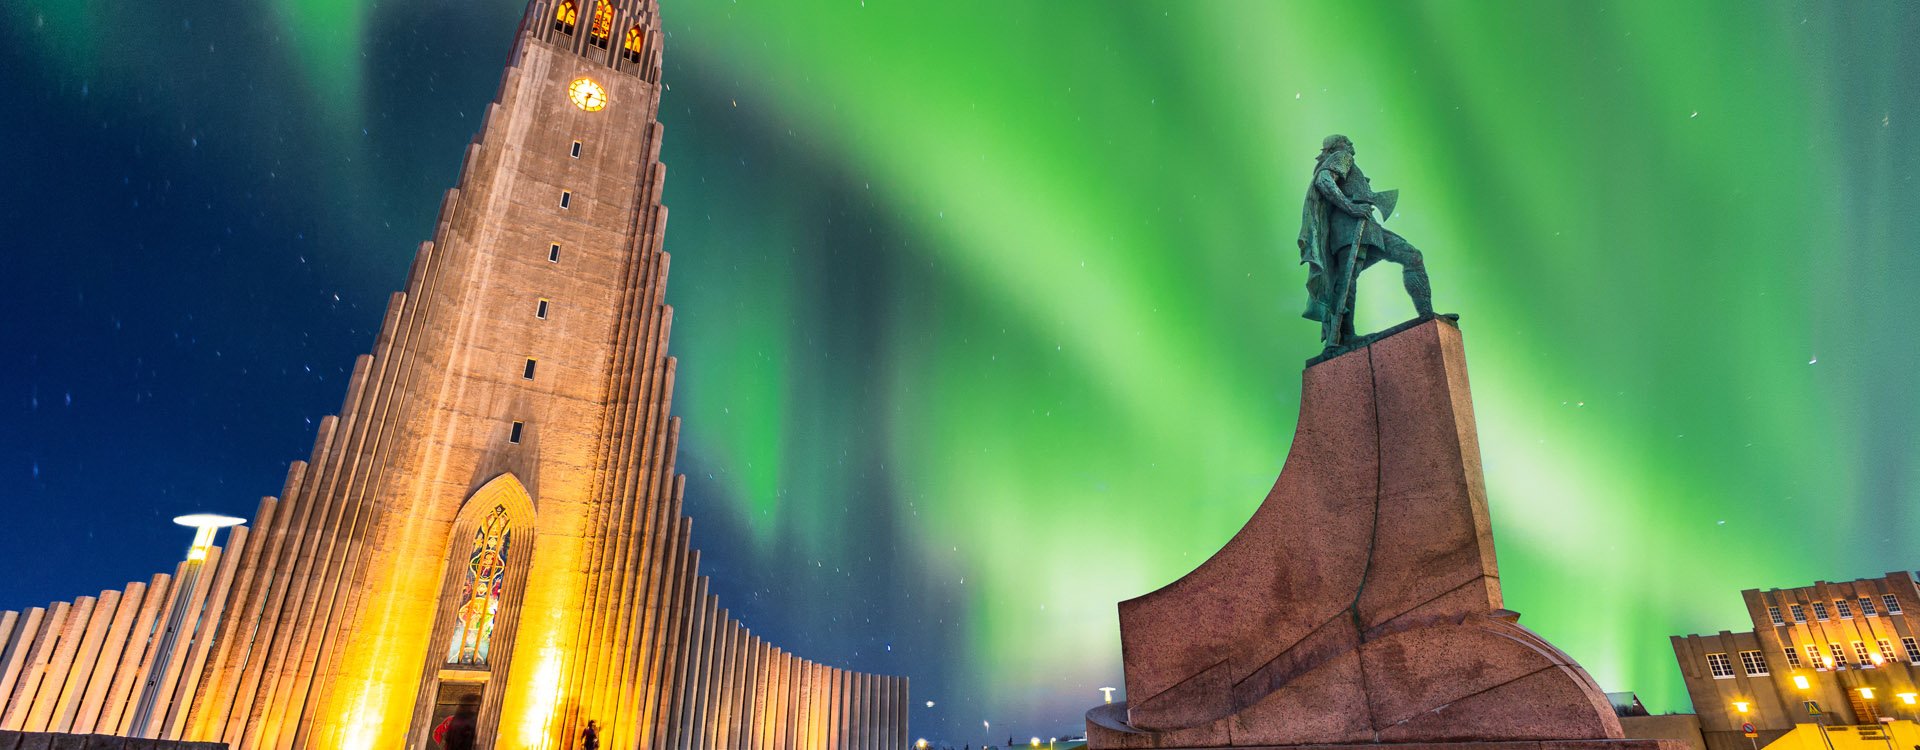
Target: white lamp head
(204,526)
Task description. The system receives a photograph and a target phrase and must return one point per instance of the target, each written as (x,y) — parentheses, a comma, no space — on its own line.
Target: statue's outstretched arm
(1323,181)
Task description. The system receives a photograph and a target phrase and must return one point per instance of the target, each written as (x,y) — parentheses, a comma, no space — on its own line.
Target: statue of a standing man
(1339,237)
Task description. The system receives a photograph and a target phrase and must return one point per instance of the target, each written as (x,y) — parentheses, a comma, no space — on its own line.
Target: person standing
(590,737)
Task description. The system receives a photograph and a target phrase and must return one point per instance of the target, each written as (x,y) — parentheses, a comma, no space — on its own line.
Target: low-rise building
(1833,654)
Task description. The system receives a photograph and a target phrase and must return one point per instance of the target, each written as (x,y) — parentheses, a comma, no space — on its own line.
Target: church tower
(491,529)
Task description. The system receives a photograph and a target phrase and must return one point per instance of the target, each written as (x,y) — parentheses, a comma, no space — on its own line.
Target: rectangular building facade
(1850,648)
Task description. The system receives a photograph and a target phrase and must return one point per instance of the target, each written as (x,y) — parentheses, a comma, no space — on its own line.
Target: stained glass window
(635,40)
(602,22)
(566,17)
(480,597)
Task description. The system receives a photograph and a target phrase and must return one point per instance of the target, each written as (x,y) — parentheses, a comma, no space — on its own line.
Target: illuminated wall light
(1800,681)
(1866,693)
(1742,706)
(1909,698)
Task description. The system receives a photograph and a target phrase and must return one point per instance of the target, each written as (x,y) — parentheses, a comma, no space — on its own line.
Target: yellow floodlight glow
(1800,681)
(1036,742)
(1742,706)
(921,743)
(1866,694)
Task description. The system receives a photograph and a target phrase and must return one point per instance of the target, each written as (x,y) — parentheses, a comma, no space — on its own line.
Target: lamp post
(205,526)
(1820,723)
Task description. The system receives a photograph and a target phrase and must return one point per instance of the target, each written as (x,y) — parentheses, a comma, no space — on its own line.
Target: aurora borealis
(987,313)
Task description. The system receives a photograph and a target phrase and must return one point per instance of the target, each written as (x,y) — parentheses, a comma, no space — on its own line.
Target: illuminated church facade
(491,527)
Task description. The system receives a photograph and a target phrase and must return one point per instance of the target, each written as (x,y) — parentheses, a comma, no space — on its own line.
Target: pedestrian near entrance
(590,737)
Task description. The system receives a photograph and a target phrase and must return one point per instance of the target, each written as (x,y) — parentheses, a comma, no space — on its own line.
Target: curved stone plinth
(1361,603)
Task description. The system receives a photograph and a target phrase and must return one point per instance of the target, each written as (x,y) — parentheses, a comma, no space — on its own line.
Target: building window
(602,23)
(1913,650)
(576,149)
(1860,652)
(553,253)
(540,310)
(527,372)
(1774,614)
(1799,612)
(1722,669)
(1893,603)
(566,17)
(513,436)
(1793,658)
(480,598)
(1866,607)
(566,201)
(1845,609)
(1886,651)
(636,39)
(1819,608)
(1754,663)
(1813,655)
(1839,656)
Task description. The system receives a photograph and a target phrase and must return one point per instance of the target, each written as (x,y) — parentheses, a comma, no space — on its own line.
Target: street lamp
(1108,693)
(179,614)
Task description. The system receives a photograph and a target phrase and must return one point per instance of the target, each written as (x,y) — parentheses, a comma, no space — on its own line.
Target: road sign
(1747,728)
(1813,708)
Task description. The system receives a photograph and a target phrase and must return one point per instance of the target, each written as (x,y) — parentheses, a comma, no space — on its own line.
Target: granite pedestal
(1361,603)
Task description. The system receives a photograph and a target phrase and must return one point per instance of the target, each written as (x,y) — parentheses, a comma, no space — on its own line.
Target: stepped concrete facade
(1360,607)
(490,533)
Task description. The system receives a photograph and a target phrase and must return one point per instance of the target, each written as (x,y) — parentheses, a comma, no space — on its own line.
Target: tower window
(1865,657)
(1886,650)
(1813,655)
(513,435)
(602,23)
(576,149)
(636,40)
(1892,602)
(1722,669)
(565,17)
(1839,656)
(1799,612)
(1845,609)
(1774,614)
(553,253)
(566,201)
(1754,663)
(1867,608)
(1819,608)
(527,372)
(540,310)
(1793,657)
(1913,650)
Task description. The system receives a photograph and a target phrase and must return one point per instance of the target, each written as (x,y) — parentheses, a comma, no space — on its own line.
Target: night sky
(987,312)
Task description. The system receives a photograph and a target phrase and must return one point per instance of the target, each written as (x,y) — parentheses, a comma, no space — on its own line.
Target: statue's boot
(1419,289)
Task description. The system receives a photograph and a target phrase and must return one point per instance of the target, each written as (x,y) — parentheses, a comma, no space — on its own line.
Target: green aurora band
(1017,297)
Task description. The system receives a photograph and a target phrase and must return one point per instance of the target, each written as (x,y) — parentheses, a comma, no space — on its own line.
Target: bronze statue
(1339,238)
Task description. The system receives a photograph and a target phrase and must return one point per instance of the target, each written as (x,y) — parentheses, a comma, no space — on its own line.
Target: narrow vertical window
(1866,607)
(565,17)
(1813,655)
(1722,669)
(602,23)
(1865,659)
(566,201)
(1793,657)
(486,579)
(513,436)
(540,310)
(1774,614)
(527,372)
(576,149)
(1845,609)
(553,253)
(1839,656)
(1886,650)
(636,40)
(1819,608)
(1892,602)
(1799,612)
(1913,650)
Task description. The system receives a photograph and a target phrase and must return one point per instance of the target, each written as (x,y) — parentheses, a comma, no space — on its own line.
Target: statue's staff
(1340,310)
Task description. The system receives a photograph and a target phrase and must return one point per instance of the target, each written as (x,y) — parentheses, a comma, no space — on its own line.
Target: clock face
(587,95)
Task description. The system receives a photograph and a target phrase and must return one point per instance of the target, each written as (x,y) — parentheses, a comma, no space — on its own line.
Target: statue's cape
(1315,236)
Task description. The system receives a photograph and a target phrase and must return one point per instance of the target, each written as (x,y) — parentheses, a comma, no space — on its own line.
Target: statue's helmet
(1334,143)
